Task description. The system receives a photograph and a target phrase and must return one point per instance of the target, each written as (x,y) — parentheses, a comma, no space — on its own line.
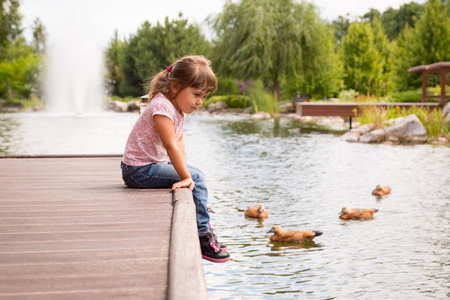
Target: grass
(263,100)
(431,119)
(122,99)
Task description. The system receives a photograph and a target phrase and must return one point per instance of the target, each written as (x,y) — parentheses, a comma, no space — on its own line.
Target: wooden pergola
(439,67)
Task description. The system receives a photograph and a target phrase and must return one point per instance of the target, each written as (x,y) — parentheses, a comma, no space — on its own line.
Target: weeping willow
(268,40)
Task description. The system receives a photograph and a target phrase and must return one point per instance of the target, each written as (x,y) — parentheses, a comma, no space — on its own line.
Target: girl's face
(189,100)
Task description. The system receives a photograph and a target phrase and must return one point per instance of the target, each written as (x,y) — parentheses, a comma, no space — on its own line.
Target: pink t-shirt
(144,145)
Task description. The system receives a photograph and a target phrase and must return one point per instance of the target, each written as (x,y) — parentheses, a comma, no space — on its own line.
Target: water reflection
(8,126)
(279,127)
(304,177)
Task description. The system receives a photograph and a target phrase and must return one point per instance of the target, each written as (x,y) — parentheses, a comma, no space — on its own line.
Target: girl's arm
(180,144)
(164,127)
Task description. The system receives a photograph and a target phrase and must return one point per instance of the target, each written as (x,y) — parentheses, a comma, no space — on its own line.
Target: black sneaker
(211,251)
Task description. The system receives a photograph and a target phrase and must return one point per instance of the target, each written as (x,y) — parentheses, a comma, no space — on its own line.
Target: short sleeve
(160,108)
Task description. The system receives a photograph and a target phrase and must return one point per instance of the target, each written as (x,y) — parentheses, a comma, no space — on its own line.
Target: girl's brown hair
(190,71)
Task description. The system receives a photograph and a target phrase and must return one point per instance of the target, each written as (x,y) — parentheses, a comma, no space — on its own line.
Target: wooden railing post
(186,275)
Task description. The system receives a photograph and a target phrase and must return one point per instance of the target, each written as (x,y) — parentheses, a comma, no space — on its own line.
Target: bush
(227,86)
(407,96)
(263,100)
(232,101)
(365,98)
(348,95)
(375,115)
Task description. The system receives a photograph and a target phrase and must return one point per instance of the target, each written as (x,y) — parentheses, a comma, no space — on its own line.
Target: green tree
(371,15)
(340,27)
(10,21)
(363,63)
(394,20)
(446,3)
(326,77)
(381,42)
(428,42)
(19,76)
(20,66)
(39,36)
(113,76)
(154,48)
(268,40)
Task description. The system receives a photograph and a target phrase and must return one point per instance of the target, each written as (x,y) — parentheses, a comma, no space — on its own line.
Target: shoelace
(213,244)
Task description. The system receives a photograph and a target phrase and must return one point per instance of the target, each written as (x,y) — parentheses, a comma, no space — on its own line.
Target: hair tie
(169,69)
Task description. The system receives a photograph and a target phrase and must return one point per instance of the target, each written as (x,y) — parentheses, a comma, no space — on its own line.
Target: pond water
(304,177)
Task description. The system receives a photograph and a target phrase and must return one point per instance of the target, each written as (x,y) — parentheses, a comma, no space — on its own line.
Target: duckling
(356,213)
(292,236)
(258,212)
(210,210)
(381,190)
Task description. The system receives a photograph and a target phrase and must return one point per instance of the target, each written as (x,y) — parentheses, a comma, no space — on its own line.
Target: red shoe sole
(216,260)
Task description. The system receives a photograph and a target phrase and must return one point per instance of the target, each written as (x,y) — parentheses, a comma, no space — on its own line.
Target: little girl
(157,137)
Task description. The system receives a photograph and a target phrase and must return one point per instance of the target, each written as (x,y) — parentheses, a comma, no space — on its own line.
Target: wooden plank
(66,283)
(97,294)
(70,229)
(81,256)
(82,245)
(81,269)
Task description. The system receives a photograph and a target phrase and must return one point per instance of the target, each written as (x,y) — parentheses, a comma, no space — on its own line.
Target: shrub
(407,96)
(348,95)
(365,98)
(232,101)
(375,115)
(263,100)
(226,86)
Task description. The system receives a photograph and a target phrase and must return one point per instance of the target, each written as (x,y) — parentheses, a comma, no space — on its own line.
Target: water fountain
(73,75)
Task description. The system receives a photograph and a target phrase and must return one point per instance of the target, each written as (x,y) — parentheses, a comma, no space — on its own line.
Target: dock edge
(186,278)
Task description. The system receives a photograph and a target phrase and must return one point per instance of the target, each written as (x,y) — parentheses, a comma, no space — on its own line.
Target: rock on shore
(119,106)
(404,130)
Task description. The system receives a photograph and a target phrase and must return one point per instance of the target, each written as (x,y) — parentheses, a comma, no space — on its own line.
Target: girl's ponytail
(160,83)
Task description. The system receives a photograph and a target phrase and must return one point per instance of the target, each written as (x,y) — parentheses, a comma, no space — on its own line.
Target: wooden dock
(70,229)
(351,109)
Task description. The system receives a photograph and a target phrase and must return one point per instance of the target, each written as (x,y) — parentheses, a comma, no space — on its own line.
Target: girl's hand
(188,182)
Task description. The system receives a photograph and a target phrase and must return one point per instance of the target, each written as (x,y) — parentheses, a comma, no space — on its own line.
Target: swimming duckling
(210,210)
(381,190)
(258,212)
(292,236)
(356,213)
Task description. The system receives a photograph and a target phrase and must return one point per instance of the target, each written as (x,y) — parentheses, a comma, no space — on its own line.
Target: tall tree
(154,48)
(340,27)
(39,36)
(269,40)
(363,64)
(428,42)
(10,22)
(371,15)
(394,20)
(326,77)
(380,40)
(113,76)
